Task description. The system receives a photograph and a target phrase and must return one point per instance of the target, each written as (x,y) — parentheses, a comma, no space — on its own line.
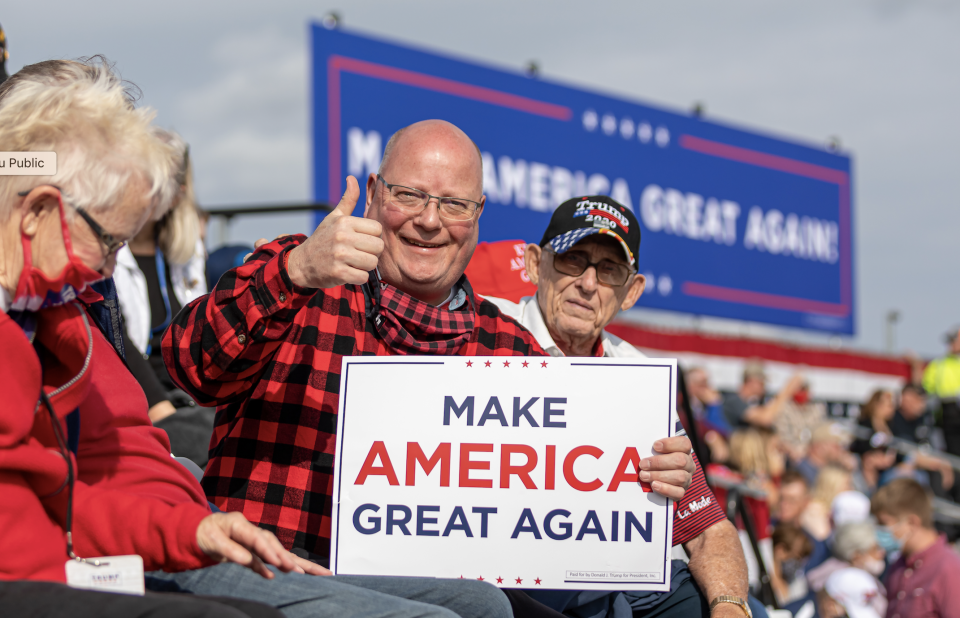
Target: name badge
(122,574)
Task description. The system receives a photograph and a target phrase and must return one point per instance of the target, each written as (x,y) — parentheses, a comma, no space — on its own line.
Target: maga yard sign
(518,471)
(736,223)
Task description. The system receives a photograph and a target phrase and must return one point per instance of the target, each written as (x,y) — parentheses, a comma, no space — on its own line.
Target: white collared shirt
(527,312)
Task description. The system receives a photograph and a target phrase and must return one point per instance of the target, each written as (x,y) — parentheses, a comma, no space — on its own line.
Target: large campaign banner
(522,472)
(735,223)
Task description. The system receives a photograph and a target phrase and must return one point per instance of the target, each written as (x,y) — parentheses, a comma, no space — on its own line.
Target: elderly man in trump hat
(585,270)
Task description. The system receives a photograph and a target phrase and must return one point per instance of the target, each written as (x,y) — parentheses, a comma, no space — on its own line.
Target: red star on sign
(499,580)
(480,578)
(469,363)
(543,364)
(519,581)
(486,364)
(506,363)
(525,363)
(537,581)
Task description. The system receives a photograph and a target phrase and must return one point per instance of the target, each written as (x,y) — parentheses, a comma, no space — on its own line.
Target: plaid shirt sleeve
(219,345)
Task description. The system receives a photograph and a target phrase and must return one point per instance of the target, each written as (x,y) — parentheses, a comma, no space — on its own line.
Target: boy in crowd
(924,580)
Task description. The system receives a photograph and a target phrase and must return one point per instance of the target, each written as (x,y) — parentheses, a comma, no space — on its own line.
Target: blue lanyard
(162,276)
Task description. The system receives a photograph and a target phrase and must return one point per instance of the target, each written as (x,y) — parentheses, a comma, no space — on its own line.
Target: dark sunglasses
(574,264)
(109,240)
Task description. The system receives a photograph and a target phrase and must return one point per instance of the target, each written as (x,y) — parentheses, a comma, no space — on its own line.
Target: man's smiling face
(424,254)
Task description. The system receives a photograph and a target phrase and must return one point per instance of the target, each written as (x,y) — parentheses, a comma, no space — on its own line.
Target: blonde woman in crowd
(831,481)
(158,272)
(755,454)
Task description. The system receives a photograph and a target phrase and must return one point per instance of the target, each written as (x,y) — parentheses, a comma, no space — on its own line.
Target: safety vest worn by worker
(941,378)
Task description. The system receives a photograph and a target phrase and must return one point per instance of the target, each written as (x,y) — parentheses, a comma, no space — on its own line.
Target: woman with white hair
(72,417)
(854,545)
(158,272)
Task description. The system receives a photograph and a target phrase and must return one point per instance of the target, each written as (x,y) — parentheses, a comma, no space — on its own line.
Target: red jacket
(130,497)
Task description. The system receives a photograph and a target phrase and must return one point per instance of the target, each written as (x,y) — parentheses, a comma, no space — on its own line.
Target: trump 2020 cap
(580,217)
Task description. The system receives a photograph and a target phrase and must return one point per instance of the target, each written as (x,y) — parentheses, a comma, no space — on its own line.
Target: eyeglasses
(109,240)
(414,201)
(574,263)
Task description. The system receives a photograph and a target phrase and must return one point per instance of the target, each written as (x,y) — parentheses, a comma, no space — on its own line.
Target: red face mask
(36,291)
(801,397)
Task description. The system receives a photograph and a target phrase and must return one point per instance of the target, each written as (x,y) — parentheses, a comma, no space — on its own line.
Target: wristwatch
(726,598)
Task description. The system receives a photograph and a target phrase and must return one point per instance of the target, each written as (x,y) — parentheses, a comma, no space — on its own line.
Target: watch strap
(726,598)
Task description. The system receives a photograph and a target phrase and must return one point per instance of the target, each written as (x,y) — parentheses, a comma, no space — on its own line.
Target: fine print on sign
(519,471)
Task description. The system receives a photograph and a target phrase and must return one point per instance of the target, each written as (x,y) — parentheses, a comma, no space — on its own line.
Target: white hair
(85,113)
(851,539)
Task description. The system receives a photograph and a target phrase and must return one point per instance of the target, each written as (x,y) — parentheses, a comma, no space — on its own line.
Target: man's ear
(33,207)
(371,189)
(532,256)
(637,285)
(483,201)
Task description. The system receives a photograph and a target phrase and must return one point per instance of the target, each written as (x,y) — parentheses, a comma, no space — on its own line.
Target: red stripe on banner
(716,345)
(762,299)
(800,168)
(762,159)
(336,64)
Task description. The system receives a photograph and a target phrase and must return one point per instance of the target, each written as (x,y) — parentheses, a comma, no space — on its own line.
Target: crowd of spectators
(839,495)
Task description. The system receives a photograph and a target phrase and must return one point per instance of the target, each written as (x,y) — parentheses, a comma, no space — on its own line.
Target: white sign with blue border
(519,471)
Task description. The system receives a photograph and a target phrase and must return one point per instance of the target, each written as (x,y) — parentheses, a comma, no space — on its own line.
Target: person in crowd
(941,378)
(831,482)
(794,496)
(757,457)
(794,507)
(797,420)
(791,548)
(747,407)
(54,247)
(707,406)
(585,271)
(854,545)
(74,431)
(828,446)
(852,593)
(354,283)
(873,438)
(923,580)
(914,422)
(160,270)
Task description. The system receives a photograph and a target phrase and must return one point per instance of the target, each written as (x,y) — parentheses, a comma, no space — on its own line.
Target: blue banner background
(561,141)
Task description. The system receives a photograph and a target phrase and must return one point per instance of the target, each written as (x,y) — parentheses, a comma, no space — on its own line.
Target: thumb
(349,200)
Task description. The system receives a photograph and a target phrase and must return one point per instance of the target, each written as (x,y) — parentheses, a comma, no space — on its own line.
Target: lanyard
(165,295)
(71,477)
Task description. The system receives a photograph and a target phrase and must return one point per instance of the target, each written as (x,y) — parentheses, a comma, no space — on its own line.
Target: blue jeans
(309,596)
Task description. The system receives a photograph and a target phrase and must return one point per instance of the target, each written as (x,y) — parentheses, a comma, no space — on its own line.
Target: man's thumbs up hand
(343,248)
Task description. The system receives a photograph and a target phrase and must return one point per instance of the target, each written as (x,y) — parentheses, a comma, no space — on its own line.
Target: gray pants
(308,596)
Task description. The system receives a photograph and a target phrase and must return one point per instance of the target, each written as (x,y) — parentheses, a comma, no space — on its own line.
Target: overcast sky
(881,75)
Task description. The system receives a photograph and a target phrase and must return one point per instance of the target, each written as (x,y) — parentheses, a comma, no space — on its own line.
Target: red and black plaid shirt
(268,353)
